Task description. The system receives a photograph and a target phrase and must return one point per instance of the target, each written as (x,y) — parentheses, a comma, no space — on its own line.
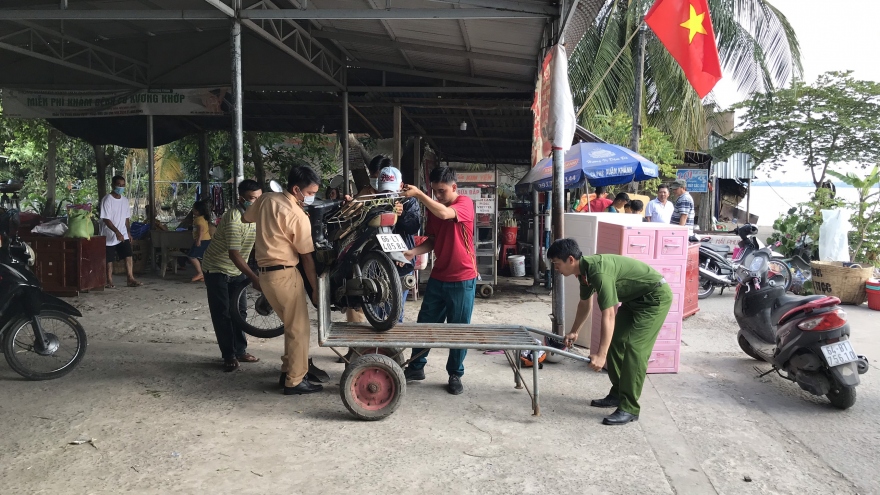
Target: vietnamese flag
(684,27)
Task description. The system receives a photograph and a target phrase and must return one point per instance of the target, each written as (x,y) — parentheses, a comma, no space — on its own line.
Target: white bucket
(517,265)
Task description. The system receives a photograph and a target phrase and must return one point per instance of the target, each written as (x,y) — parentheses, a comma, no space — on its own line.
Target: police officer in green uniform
(628,334)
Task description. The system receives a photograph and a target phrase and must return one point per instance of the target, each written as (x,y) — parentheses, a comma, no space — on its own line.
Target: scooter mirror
(275,186)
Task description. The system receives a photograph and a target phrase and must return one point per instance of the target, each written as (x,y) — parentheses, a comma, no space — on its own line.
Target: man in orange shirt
(284,239)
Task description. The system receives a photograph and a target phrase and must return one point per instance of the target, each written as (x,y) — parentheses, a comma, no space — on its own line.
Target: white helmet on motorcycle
(390,180)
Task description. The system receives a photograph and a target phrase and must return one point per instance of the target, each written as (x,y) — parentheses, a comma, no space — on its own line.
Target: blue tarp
(601,164)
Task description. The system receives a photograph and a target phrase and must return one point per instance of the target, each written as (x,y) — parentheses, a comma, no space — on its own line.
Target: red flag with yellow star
(684,27)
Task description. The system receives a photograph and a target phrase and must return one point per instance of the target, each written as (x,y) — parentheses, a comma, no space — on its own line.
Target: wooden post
(397,154)
(417,159)
(49,208)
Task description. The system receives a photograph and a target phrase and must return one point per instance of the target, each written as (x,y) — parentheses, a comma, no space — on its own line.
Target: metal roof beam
(509,5)
(439,48)
(113,15)
(75,54)
(222,7)
(421,130)
(500,83)
(365,14)
(297,42)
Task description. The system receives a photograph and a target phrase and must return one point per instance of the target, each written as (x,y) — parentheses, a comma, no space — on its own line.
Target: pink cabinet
(665,248)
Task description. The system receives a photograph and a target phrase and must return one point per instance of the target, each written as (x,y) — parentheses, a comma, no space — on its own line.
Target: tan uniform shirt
(283,229)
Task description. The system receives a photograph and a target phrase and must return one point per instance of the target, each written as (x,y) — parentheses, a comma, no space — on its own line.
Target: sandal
(134,284)
(109,286)
(230,365)
(248,358)
(197,278)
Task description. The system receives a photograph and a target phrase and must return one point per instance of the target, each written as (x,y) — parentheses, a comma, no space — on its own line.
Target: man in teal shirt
(628,334)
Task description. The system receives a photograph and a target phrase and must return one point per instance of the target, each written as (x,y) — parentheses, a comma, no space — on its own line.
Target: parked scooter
(355,242)
(717,269)
(804,338)
(40,338)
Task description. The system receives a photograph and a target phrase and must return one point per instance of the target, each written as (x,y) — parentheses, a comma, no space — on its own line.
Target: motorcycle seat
(321,208)
(718,248)
(787,303)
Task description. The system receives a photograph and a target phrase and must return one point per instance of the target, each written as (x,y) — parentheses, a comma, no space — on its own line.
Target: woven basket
(833,278)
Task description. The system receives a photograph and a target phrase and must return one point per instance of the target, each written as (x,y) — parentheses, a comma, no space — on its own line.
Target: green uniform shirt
(615,278)
(232,234)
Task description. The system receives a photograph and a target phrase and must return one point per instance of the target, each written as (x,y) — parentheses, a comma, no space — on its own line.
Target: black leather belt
(264,269)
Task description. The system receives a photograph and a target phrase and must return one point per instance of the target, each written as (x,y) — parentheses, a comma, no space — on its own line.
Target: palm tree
(756,44)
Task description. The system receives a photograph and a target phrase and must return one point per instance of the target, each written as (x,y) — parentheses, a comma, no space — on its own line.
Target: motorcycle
(800,263)
(355,242)
(41,339)
(804,338)
(717,270)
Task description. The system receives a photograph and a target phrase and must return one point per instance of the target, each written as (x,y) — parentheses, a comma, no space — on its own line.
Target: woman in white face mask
(377,163)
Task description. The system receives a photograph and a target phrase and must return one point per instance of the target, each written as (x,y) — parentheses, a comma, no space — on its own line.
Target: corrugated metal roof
(737,166)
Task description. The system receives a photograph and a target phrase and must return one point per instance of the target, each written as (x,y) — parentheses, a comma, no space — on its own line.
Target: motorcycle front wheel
(382,309)
(255,315)
(67,346)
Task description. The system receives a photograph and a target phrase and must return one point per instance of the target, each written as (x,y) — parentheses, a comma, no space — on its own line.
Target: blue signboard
(697,180)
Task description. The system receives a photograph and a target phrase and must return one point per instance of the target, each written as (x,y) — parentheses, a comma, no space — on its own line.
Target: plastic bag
(79,224)
(52,228)
(833,235)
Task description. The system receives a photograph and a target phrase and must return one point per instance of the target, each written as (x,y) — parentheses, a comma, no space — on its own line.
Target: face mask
(119,190)
(307,200)
(374,183)
(246,204)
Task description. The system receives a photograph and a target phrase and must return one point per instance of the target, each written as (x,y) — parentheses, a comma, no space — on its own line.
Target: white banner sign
(68,104)
(485,205)
(471,192)
(553,107)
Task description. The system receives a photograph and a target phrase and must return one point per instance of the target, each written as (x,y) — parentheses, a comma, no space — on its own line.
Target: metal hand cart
(373,385)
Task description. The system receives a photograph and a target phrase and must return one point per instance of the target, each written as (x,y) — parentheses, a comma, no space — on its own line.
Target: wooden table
(169,245)
(66,266)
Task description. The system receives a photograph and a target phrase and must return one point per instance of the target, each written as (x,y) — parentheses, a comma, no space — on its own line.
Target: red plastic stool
(505,251)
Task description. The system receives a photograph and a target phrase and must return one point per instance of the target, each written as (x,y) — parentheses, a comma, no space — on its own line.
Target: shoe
(619,417)
(248,358)
(413,374)
(316,374)
(607,401)
(304,387)
(309,376)
(454,387)
(230,365)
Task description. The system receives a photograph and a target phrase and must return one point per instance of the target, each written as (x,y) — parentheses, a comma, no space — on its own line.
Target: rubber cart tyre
(66,336)
(259,320)
(486,291)
(384,313)
(395,353)
(842,397)
(372,387)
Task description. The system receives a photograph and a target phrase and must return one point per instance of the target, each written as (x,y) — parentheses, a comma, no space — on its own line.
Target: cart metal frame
(510,338)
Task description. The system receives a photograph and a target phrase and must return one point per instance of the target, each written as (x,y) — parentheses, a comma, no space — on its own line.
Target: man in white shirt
(660,209)
(116,229)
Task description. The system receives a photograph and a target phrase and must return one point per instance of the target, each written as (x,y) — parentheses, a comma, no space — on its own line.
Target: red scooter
(804,338)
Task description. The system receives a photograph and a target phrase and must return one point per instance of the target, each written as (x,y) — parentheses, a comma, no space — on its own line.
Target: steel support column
(343,140)
(558,233)
(151,173)
(203,165)
(536,238)
(237,126)
(396,154)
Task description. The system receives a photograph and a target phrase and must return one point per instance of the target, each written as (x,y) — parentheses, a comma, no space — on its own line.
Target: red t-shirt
(454,243)
(599,205)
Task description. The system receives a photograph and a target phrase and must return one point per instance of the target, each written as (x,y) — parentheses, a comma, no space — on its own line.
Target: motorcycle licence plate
(391,242)
(839,353)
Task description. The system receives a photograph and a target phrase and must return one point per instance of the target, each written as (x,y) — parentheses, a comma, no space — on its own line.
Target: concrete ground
(164,419)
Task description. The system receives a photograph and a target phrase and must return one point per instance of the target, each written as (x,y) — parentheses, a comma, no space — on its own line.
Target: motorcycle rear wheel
(842,397)
(705,289)
(384,311)
(259,319)
(64,332)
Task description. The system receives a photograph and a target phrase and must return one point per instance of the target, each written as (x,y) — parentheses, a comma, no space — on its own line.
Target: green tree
(863,240)
(834,120)
(756,44)
(654,144)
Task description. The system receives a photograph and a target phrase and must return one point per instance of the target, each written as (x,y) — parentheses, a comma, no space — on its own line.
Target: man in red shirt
(601,203)
(449,296)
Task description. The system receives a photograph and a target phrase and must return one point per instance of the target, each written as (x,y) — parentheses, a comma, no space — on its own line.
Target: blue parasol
(601,164)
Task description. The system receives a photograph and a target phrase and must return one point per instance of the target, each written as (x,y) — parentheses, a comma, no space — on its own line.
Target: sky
(834,35)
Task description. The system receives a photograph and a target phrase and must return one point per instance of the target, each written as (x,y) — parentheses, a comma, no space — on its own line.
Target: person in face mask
(116,229)
(225,270)
(377,163)
(283,241)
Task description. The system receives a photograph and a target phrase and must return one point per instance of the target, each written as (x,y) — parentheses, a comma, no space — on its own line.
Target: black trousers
(221,287)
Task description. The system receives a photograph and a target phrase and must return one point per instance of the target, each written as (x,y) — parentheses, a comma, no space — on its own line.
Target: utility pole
(637,94)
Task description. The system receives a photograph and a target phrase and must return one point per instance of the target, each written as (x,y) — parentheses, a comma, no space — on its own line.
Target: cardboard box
(140,258)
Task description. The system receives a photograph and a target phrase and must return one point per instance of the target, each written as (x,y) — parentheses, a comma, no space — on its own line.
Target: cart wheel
(486,291)
(395,353)
(372,387)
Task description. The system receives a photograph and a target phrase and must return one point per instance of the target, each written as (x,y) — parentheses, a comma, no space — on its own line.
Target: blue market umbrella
(600,164)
